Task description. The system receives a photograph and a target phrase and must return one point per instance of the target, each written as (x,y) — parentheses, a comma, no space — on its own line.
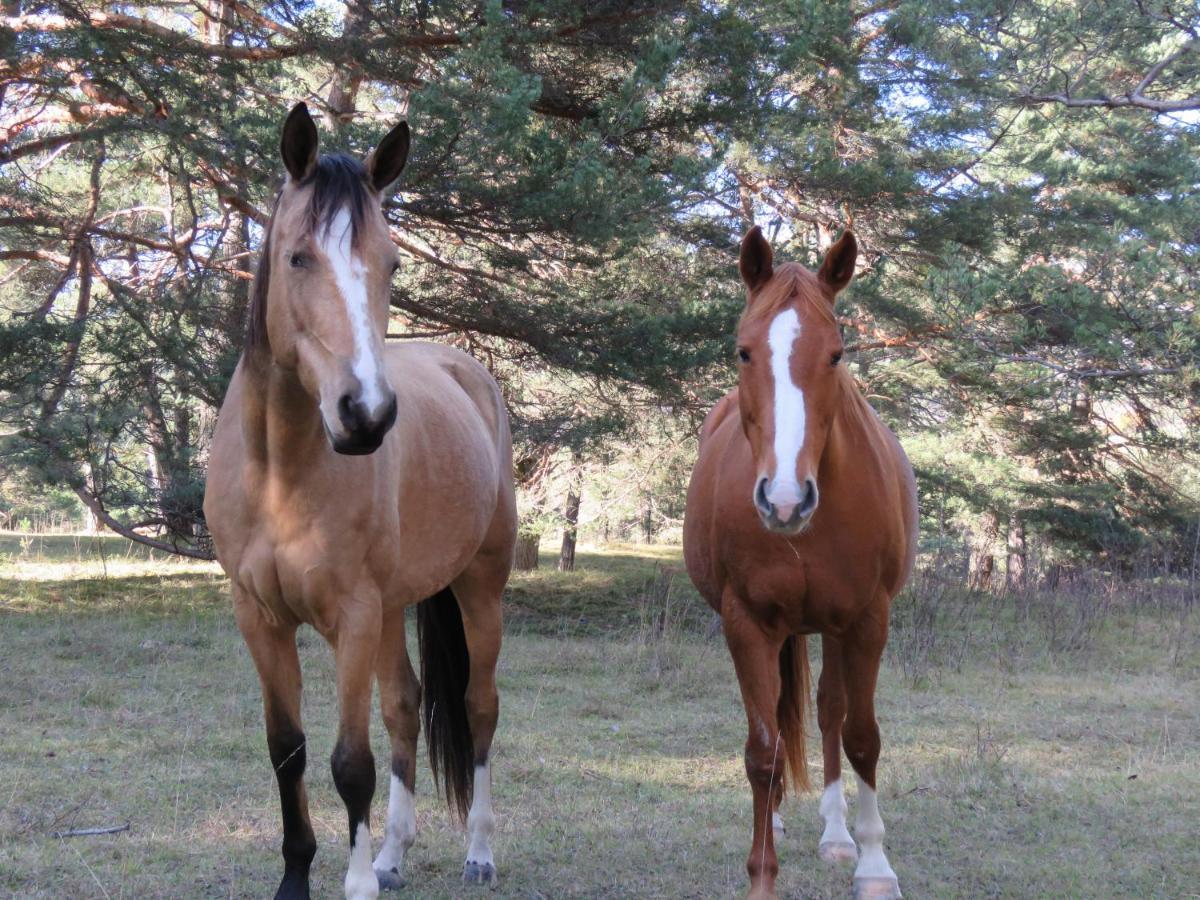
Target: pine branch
(145,27)
(1135,98)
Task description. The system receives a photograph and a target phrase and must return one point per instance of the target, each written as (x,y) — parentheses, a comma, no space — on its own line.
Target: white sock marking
(401,829)
(783,489)
(481,822)
(350,276)
(833,811)
(868,828)
(361,883)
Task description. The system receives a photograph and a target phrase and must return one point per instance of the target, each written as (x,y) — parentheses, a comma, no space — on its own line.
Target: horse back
(411,366)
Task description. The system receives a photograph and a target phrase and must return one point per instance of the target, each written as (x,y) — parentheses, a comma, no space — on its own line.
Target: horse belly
(448,500)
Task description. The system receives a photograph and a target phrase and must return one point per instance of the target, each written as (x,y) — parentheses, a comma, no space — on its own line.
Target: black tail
(445,668)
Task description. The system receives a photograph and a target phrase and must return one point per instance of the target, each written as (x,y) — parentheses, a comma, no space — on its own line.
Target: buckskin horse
(802,519)
(349,480)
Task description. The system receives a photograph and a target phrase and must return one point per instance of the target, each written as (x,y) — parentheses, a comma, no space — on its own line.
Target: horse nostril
(760,496)
(809,502)
(388,419)
(351,412)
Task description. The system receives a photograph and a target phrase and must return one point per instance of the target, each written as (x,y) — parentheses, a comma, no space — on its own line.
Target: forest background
(1022,177)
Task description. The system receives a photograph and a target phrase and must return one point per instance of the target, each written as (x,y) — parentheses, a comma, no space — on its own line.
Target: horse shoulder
(703,499)
(224,492)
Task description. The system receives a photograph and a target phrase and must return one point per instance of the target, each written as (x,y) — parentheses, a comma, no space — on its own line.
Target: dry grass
(1010,768)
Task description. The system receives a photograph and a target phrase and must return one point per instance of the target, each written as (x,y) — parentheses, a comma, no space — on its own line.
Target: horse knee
(403,715)
(764,765)
(286,747)
(354,776)
(861,742)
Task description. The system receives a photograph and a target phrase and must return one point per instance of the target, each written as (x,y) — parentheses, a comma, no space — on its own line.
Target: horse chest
(805,584)
(305,574)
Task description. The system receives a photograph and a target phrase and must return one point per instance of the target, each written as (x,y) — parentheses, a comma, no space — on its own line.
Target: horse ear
(298,145)
(838,267)
(755,260)
(386,161)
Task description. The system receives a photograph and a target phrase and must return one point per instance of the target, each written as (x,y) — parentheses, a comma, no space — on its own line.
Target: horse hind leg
(836,844)
(273,650)
(479,591)
(399,699)
(874,876)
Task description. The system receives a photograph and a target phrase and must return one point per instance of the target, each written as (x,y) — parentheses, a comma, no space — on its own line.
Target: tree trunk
(566,556)
(347,79)
(983,557)
(525,554)
(1015,576)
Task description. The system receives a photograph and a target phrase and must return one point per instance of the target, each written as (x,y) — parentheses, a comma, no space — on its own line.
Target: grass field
(1024,754)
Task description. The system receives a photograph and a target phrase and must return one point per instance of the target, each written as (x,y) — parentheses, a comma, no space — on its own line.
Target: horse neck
(853,430)
(280,420)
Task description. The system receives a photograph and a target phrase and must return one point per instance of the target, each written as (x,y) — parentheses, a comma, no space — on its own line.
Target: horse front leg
(400,700)
(273,649)
(836,843)
(862,652)
(356,646)
(756,661)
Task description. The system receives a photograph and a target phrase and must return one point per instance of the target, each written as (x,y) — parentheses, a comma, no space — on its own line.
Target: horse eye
(299,260)
(837,358)
(743,354)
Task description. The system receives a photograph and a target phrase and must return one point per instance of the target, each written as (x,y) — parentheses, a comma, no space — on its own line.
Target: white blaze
(361,883)
(789,410)
(350,275)
(401,829)
(868,828)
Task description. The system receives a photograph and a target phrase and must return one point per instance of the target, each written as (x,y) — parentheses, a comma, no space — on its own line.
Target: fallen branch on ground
(87,832)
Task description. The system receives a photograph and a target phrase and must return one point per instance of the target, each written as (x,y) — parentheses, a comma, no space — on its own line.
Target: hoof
(876,889)
(838,852)
(389,879)
(479,873)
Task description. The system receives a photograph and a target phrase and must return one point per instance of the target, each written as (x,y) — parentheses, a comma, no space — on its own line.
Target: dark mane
(337,181)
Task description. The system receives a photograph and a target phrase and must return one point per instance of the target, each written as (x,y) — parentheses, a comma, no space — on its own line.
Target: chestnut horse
(802,519)
(325,514)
